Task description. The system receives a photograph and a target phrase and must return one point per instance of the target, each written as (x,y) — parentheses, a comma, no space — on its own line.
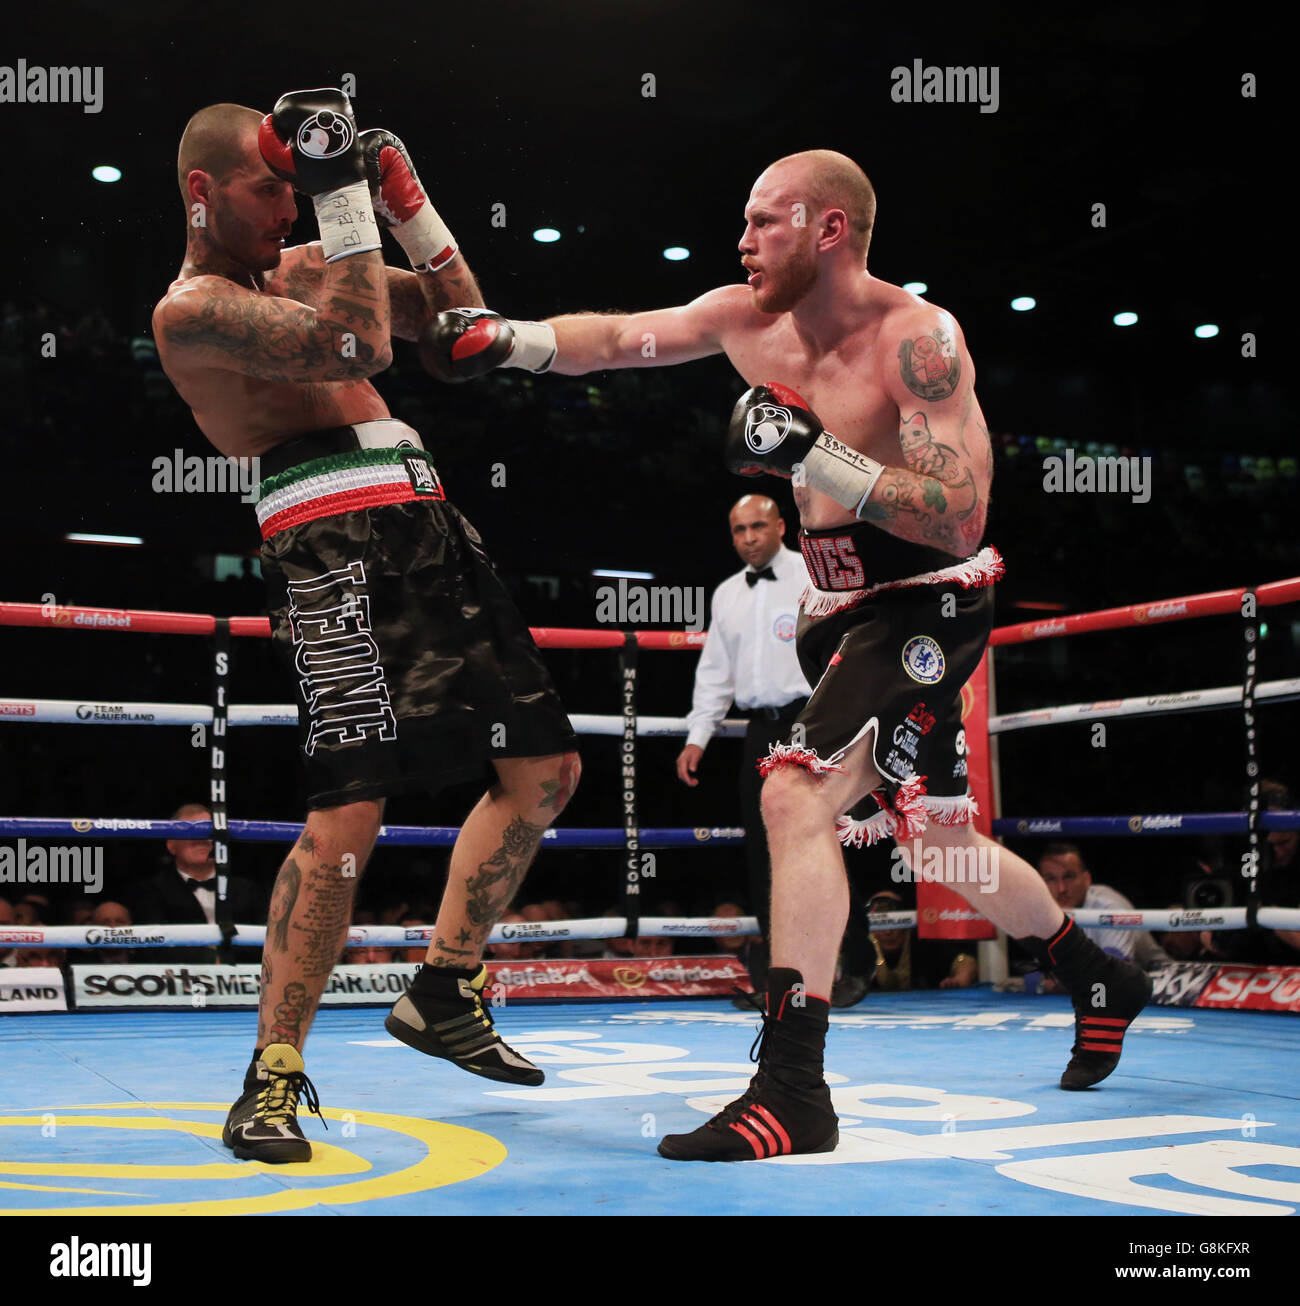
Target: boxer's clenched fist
(467,342)
(310,138)
(401,203)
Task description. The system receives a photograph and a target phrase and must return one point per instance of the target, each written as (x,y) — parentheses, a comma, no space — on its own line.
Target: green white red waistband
(346,482)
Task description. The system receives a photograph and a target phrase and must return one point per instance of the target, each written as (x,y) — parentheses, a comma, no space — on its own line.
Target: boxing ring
(113,1103)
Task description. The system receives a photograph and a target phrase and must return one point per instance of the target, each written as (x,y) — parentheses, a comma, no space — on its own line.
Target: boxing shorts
(412,665)
(888,633)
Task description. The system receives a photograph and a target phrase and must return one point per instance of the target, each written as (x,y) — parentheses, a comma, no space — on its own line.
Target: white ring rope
(71,711)
(606,927)
(1192,700)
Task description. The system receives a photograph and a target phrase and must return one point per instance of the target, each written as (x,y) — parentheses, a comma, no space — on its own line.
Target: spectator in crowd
(557,912)
(749,660)
(1070,882)
(540,913)
(40,957)
(1187,945)
(391,910)
(32,909)
(367,954)
(109,915)
(416,952)
(640,947)
(362,954)
(25,913)
(904,961)
(581,948)
(81,912)
(185,893)
(731,943)
(7,918)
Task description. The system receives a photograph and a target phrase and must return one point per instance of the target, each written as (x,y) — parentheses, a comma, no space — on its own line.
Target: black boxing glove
(461,343)
(310,139)
(772,430)
(402,204)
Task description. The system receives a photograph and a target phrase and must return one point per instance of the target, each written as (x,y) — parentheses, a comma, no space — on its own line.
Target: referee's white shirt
(748,656)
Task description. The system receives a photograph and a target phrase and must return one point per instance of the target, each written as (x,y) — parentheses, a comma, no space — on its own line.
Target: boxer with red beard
(892,507)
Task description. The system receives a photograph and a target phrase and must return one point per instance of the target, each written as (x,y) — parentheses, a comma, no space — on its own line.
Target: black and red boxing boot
(1107,993)
(787,1107)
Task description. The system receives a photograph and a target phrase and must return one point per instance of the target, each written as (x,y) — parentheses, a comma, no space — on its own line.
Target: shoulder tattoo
(929,364)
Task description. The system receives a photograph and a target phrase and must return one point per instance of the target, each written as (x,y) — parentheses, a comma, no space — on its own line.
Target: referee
(749,660)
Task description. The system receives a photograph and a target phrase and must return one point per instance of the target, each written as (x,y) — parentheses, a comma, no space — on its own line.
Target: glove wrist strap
(533,348)
(843,473)
(347,222)
(427,240)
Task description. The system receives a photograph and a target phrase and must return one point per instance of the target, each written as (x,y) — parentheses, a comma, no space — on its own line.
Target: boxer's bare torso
(885,372)
(245,413)
(853,385)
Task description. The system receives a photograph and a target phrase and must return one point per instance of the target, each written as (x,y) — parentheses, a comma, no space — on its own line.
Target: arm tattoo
(352,313)
(922,454)
(302,282)
(930,366)
(452,287)
(416,296)
(272,339)
(935,501)
(354,277)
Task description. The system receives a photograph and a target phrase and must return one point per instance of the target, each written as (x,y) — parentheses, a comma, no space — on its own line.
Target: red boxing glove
(461,343)
(402,205)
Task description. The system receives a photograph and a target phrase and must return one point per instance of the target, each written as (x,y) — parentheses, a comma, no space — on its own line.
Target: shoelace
(279,1099)
(755,1000)
(734,1110)
(756,1048)
(482,1014)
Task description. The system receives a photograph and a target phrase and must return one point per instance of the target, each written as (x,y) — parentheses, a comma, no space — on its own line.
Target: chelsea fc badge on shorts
(923,660)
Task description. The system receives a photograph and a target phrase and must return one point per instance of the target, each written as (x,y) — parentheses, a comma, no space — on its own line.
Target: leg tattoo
(489,891)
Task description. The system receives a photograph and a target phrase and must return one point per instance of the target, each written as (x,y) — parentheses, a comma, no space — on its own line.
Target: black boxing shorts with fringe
(888,634)
(412,665)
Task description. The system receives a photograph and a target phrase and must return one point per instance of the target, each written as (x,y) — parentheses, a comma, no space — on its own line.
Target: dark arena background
(1123,161)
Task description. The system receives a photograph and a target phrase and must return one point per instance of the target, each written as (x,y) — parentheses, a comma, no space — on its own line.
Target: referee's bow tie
(753,577)
(196,885)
